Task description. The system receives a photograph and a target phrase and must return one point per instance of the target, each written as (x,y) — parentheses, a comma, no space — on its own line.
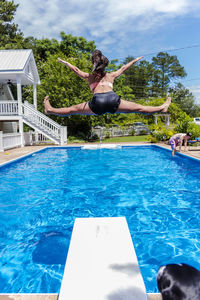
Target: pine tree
(10,35)
(167,67)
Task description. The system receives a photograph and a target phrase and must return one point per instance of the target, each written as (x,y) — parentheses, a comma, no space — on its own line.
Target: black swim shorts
(102,103)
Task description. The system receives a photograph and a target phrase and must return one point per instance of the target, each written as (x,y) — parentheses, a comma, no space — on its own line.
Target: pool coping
(51,296)
(54,296)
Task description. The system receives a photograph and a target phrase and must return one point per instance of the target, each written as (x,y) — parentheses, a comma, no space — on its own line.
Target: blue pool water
(41,195)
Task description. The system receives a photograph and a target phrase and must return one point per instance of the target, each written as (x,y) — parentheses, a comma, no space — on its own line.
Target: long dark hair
(99,62)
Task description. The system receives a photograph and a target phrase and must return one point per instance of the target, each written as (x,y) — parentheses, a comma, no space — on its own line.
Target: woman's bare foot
(47,105)
(166,105)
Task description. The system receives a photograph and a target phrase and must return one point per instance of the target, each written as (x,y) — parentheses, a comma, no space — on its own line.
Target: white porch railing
(9,140)
(35,119)
(44,124)
(34,138)
(8,108)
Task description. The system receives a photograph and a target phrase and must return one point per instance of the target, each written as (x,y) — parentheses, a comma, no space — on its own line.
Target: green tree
(72,45)
(137,77)
(10,35)
(185,124)
(185,100)
(168,67)
(152,79)
(59,82)
(65,89)
(42,48)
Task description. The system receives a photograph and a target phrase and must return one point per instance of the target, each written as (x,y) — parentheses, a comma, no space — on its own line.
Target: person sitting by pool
(179,282)
(104,99)
(178,139)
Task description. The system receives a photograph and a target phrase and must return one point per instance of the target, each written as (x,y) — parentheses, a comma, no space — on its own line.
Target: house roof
(18,64)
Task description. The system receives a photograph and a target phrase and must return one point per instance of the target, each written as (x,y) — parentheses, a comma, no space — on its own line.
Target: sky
(122,28)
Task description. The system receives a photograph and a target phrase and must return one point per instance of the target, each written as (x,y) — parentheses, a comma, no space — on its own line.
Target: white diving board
(101,262)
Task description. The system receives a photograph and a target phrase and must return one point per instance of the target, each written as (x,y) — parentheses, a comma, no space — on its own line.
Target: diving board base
(101,262)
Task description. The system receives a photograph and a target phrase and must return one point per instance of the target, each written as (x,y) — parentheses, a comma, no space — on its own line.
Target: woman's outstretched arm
(76,70)
(125,67)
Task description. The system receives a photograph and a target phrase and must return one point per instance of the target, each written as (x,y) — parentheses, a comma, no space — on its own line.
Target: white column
(35,95)
(1,141)
(35,104)
(19,99)
(65,133)
(167,120)
(36,137)
(21,131)
(61,136)
(19,96)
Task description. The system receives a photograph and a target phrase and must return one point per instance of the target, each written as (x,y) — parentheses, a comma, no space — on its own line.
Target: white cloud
(119,27)
(47,19)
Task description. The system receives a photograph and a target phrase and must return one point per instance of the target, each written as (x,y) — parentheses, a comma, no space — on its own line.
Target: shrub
(73,139)
(185,124)
(152,139)
(93,137)
(143,132)
(107,136)
(132,132)
(159,133)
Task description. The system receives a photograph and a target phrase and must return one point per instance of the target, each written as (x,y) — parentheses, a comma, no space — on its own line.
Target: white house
(18,67)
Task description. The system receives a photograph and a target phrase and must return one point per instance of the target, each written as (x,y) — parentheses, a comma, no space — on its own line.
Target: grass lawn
(120,139)
(126,139)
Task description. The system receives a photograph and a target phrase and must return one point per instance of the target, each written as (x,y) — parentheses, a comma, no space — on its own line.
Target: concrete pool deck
(18,152)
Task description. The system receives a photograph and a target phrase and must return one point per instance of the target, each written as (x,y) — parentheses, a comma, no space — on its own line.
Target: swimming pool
(42,194)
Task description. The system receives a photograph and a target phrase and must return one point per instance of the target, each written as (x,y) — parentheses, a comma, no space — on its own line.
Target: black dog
(179,282)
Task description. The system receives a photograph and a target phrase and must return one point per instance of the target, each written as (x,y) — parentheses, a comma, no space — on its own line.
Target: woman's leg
(130,107)
(79,109)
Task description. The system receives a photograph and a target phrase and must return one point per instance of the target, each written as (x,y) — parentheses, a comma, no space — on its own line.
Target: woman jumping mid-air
(104,99)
